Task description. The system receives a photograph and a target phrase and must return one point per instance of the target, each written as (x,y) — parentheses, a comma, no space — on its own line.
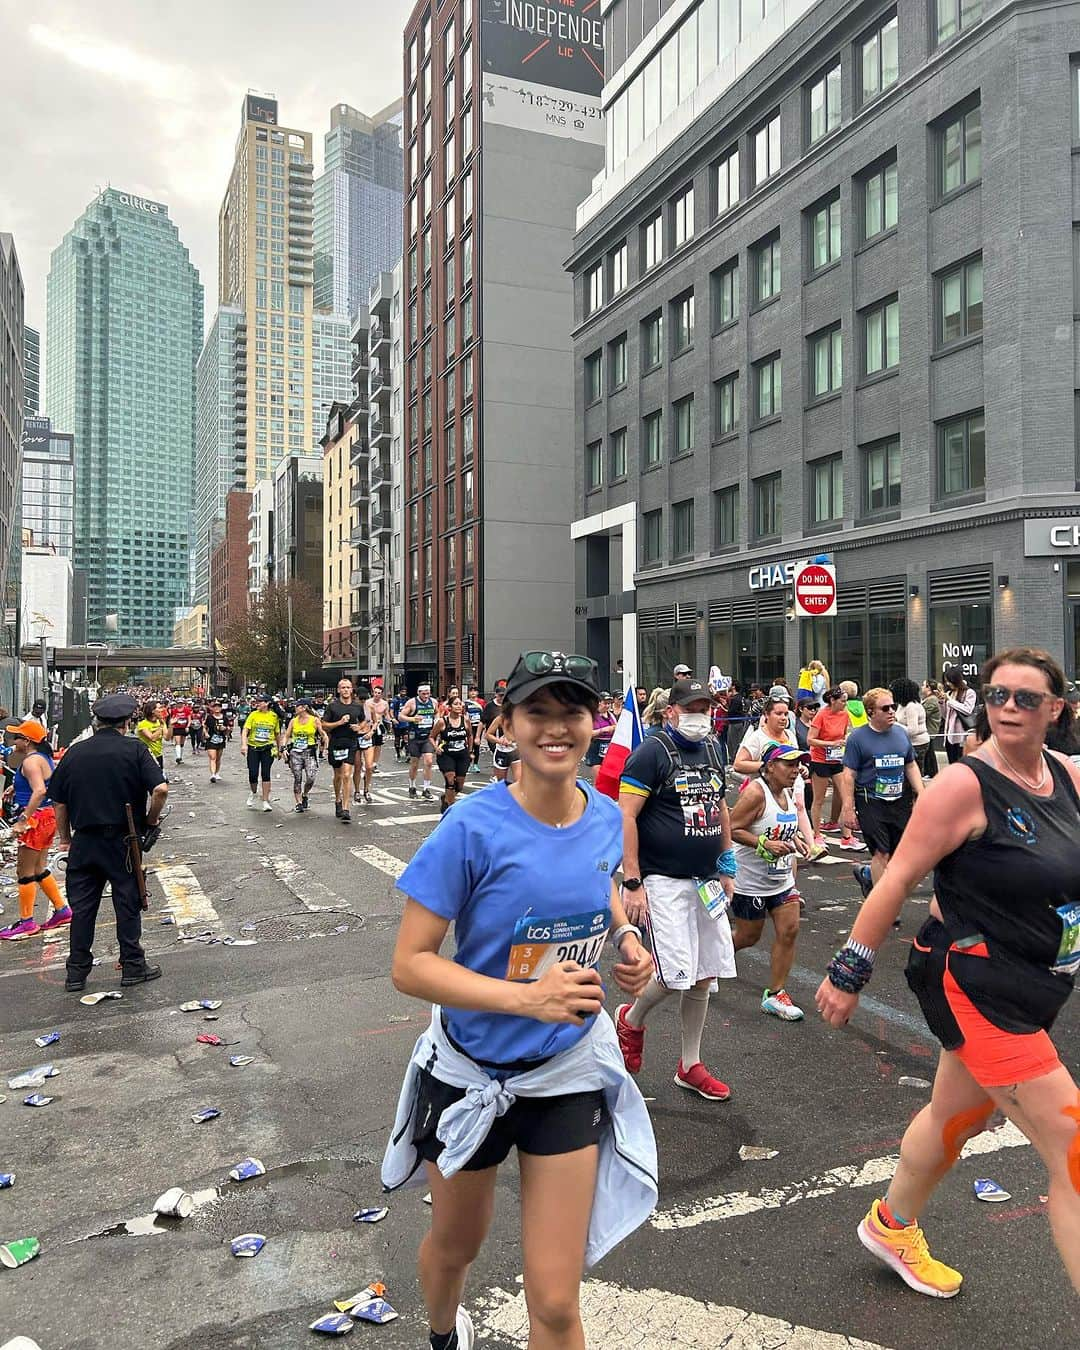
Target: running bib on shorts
(889,779)
(1068,957)
(834,754)
(539,944)
(340,756)
(713,896)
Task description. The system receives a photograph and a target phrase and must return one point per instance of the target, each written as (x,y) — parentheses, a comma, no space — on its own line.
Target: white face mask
(694,726)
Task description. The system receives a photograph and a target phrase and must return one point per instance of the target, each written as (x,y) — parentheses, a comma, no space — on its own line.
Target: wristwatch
(631,883)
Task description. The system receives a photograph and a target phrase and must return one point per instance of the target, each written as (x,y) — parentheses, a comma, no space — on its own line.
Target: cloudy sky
(146,95)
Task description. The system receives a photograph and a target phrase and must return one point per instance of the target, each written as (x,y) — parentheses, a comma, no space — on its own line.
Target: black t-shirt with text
(680,825)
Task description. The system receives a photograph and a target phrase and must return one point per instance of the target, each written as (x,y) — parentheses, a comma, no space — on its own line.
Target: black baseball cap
(534,671)
(684,692)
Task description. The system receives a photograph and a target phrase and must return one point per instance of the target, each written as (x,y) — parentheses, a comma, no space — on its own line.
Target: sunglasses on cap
(558,663)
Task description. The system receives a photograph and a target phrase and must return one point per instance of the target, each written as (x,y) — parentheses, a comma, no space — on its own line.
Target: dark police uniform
(94,781)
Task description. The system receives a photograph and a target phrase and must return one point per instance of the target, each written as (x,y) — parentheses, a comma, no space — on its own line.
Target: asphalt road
(744,1251)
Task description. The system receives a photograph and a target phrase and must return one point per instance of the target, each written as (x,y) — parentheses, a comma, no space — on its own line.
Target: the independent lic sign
(815,591)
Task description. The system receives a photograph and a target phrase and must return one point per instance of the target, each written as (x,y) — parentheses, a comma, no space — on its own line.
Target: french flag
(627,737)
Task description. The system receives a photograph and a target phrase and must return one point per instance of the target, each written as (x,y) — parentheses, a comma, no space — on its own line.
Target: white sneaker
(252,802)
(466,1333)
(266,806)
(780,1005)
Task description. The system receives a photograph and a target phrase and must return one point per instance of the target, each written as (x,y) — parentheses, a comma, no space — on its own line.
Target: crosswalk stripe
(187,901)
(870,1173)
(304,886)
(407,820)
(385,862)
(642,1318)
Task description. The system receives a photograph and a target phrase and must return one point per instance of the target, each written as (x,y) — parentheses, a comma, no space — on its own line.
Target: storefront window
(1072,636)
(960,635)
(869,648)
(751,652)
(661,652)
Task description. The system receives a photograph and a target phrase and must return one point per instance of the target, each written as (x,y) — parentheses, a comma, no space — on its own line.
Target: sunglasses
(558,663)
(885,707)
(996,695)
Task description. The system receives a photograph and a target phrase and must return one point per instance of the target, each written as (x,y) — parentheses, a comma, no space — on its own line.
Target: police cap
(115,708)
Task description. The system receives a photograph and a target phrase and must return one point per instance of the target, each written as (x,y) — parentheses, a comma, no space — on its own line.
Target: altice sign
(138,203)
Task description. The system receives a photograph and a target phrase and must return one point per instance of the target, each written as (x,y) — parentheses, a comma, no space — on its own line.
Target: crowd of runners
(678,861)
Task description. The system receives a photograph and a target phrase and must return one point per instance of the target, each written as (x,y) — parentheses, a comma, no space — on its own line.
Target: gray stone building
(825,293)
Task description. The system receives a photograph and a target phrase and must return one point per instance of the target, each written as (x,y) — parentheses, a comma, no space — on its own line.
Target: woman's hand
(834,1005)
(779,848)
(634,971)
(636,904)
(565,993)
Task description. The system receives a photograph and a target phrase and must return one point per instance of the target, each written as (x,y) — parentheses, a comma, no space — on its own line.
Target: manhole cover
(294,927)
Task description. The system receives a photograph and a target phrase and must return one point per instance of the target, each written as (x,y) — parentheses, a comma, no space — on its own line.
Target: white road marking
(640,1319)
(385,862)
(851,1176)
(304,886)
(407,820)
(187,901)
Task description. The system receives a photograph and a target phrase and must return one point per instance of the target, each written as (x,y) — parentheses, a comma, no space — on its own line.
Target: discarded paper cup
(333,1324)
(373,1310)
(42,1041)
(248,1244)
(370,1215)
(248,1168)
(6,1179)
(91,999)
(241,1061)
(37,1099)
(17,1253)
(176,1203)
(207,1113)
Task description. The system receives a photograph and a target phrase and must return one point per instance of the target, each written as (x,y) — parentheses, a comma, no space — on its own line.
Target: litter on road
(905,1081)
(42,1041)
(248,1168)
(91,999)
(988,1190)
(33,1078)
(248,1244)
(208,1113)
(374,1310)
(240,1061)
(17,1253)
(176,1203)
(376,1289)
(36,1099)
(6,1179)
(333,1324)
(209,1038)
(370,1215)
(753,1153)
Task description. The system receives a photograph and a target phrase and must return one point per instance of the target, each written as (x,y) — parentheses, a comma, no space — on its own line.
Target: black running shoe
(412,789)
(337,810)
(346,819)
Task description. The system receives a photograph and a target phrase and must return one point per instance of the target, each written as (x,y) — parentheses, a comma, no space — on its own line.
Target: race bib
(539,944)
(713,896)
(261,735)
(834,754)
(301,740)
(216,738)
(889,782)
(340,756)
(1068,957)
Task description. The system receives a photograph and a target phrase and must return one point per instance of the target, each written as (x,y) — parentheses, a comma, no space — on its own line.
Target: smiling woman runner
(992,966)
(520,1051)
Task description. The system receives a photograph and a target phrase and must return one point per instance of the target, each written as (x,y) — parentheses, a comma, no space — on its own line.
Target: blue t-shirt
(522,896)
(878,759)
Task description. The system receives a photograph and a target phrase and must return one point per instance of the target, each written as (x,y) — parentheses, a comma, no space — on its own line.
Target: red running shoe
(698,1079)
(631,1039)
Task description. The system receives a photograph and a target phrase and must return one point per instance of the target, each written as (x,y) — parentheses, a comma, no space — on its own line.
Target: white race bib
(540,943)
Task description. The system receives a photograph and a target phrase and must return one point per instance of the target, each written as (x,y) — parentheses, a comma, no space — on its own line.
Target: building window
(954,16)
(594,289)
(961,455)
(767,387)
(827,490)
(823,233)
(684,425)
(617,363)
(618,454)
(768,507)
(879,60)
(594,377)
(653,438)
(652,541)
(726,410)
(823,105)
(682,323)
(826,362)
(682,217)
(594,465)
(881,476)
(652,341)
(727,181)
(1074,86)
(725,294)
(682,529)
(618,269)
(726,517)
(766,266)
(959,149)
(652,242)
(881,337)
(767,149)
(879,200)
(960,302)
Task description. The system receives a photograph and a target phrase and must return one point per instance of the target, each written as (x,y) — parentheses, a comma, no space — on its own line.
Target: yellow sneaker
(905,1251)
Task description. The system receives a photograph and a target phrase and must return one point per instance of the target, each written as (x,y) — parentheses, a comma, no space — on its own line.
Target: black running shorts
(544,1126)
(456,763)
(882,822)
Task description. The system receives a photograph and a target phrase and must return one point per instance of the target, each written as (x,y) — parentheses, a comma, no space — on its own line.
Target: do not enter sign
(815,591)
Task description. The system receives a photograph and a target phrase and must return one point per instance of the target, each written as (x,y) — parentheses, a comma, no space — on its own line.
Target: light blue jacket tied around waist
(626,1187)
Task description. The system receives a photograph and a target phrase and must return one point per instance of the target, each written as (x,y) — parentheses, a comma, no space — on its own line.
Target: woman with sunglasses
(991,967)
(520,1051)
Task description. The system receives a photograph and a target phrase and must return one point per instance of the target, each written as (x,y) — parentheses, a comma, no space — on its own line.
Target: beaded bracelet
(726,865)
(849,971)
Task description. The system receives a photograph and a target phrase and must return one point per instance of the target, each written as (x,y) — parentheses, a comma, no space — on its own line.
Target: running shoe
(266,806)
(819,850)
(698,1079)
(819,841)
(427,795)
(631,1039)
(304,802)
(356,798)
(852,844)
(252,802)
(778,1002)
(466,1333)
(337,810)
(864,877)
(906,1252)
(23,929)
(832,827)
(299,808)
(367,799)
(412,789)
(57,918)
(346,819)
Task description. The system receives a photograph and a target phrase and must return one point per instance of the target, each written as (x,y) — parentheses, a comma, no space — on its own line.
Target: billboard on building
(542,66)
(261,108)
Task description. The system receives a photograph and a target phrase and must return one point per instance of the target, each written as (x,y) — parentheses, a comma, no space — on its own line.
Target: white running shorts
(687,944)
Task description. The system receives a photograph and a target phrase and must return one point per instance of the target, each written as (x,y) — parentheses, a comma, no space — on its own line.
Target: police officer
(90,789)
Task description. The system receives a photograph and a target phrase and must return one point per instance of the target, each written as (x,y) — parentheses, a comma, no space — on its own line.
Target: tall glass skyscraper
(48,485)
(125,317)
(31,372)
(220,441)
(358,204)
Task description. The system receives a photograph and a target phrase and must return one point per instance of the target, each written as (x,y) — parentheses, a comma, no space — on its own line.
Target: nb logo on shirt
(602,865)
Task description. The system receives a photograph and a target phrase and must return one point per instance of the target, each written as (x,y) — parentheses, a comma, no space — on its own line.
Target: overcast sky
(146,95)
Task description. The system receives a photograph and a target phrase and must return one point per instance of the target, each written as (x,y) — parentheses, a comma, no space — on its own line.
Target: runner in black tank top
(993,965)
(453,739)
